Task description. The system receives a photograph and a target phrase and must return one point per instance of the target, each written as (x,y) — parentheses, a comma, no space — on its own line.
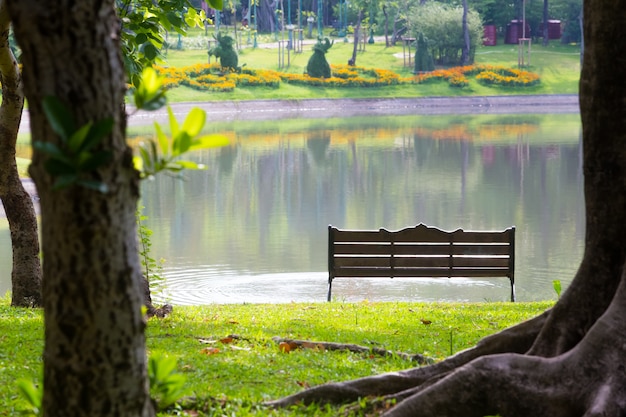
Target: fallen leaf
(303,384)
(233,321)
(210,351)
(207,341)
(426,322)
(227,340)
(284,347)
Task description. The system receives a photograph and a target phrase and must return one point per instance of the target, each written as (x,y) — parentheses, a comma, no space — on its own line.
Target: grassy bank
(557,65)
(231,364)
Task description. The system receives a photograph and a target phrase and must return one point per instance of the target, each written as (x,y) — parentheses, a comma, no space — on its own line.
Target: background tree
(442,25)
(18,206)
(546,25)
(465,51)
(567,361)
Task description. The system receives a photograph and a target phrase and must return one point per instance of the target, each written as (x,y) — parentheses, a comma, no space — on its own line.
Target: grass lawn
(558,66)
(236,375)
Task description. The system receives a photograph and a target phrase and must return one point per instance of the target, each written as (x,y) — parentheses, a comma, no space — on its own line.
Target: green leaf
(76,139)
(98,131)
(141,38)
(64,181)
(174,129)
(181,143)
(149,94)
(92,161)
(59,117)
(31,393)
(150,51)
(57,167)
(51,150)
(164,141)
(138,162)
(209,141)
(194,122)
(216,4)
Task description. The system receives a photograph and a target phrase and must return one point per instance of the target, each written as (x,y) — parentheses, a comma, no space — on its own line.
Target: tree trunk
(357,35)
(568,361)
(387,44)
(94,355)
(465,53)
(265,11)
(546,26)
(18,206)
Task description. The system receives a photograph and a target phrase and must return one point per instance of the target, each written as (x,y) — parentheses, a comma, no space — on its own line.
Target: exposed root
(589,380)
(159,312)
(307,344)
(517,339)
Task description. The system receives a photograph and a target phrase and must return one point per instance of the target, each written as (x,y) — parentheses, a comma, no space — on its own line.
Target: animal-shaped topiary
(225,52)
(318,66)
(423,58)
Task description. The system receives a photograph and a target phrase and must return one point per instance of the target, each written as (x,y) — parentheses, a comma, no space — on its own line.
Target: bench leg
(512,292)
(330,288)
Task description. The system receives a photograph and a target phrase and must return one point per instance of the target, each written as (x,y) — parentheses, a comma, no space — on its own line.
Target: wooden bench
(420,251)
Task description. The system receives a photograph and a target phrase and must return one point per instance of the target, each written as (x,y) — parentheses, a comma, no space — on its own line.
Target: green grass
(241,375)
(557,64)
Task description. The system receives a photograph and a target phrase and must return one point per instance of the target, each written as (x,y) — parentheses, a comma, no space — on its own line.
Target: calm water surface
(252,227)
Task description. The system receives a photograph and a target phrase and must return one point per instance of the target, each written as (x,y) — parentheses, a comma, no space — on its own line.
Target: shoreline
(331,108)
(340,107)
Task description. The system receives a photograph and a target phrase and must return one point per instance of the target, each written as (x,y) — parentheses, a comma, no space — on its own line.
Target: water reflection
(252,227)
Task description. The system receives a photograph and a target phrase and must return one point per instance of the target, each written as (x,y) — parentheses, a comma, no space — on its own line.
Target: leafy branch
(75,157)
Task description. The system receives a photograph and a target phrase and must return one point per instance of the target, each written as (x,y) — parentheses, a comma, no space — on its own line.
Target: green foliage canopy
(442,25)
(145,24)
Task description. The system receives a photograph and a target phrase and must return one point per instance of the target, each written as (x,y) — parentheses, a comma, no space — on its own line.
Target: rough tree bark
(568,362)
(94,355)
(18,206)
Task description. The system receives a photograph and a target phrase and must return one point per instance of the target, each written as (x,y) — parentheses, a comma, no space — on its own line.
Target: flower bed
(211,77)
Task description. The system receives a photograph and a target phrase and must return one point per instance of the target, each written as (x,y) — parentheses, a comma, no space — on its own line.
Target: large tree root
(517,339)
(588,381)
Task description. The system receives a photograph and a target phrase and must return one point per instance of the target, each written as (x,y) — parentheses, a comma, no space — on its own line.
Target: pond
(252,227)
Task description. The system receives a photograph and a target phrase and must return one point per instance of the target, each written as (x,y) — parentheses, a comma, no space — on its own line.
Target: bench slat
(422,249)
(420,262)
(357,272)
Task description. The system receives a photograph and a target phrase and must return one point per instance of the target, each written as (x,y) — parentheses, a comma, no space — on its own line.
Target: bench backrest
(421,251)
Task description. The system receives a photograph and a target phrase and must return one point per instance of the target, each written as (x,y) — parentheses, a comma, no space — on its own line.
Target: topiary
(423,60)
(318,66)
(225,52)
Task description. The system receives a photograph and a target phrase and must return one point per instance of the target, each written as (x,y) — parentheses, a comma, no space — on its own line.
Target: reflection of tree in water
(318,146)
(226,159)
